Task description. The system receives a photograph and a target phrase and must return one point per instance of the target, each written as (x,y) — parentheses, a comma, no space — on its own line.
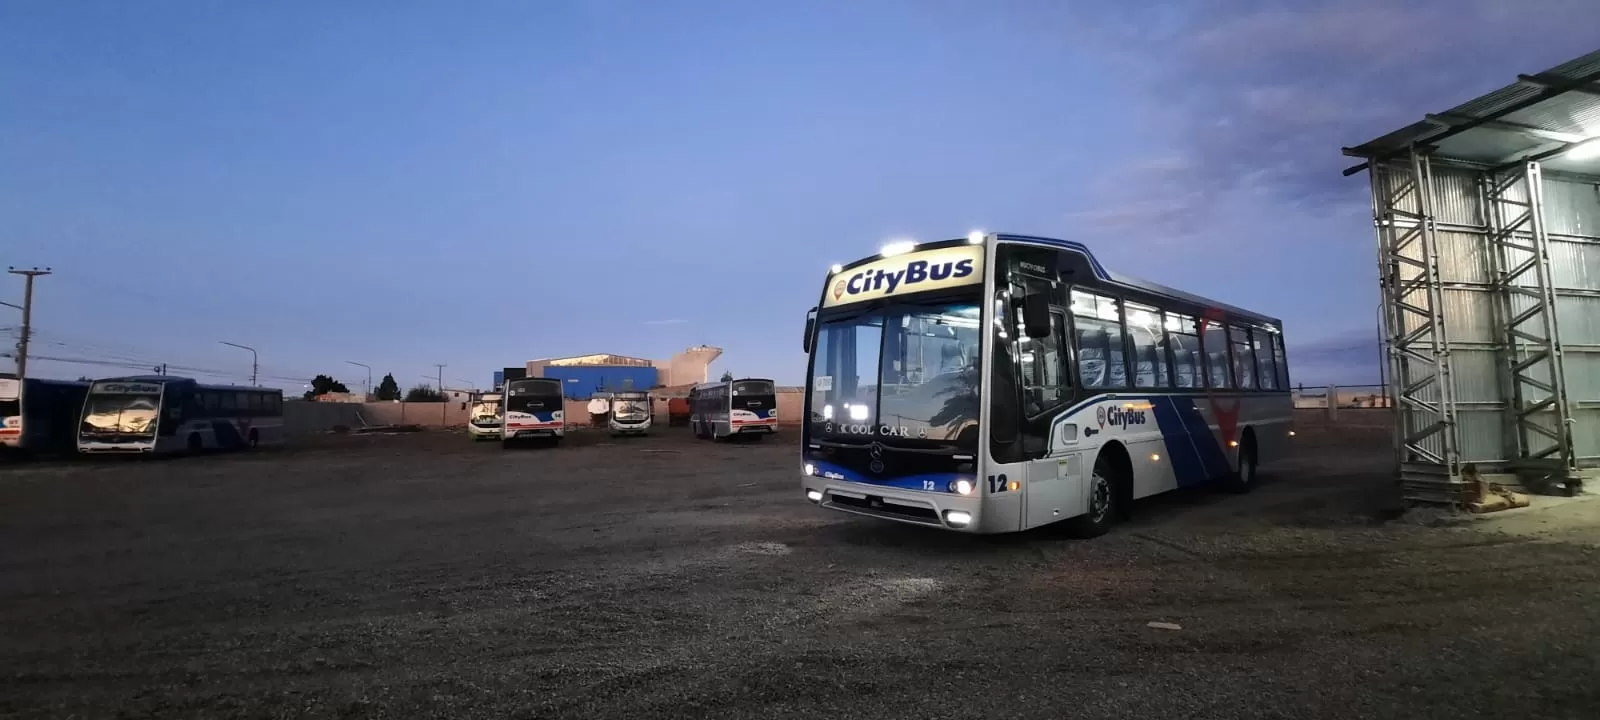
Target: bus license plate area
(890,508)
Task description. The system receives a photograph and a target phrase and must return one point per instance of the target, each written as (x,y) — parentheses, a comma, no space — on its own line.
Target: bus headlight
(810,469)
(958,518)
(961,487)
(814,495)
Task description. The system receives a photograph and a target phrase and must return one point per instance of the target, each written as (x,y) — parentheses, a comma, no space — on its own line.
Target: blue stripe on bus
(1187,468)
(941,481)
(1205,442)
(544,417)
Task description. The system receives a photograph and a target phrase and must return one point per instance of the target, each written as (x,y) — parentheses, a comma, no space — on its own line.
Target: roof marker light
(899,247)
(836,268)
(975,237)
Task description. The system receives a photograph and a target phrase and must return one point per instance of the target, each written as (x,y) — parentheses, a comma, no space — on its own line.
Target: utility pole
(445,403)
(254,366)
(27,316)
(369,377)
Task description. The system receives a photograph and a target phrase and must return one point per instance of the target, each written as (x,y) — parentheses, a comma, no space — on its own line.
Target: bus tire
(1244,479)
(255,440)
(196,445)
(1107,492)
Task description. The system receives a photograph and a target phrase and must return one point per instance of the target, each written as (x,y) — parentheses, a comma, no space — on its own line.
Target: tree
(388,389)
(424,393)
(324,384)
(726,376)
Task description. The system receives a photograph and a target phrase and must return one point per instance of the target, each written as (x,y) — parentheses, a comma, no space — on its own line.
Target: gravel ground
(418,576)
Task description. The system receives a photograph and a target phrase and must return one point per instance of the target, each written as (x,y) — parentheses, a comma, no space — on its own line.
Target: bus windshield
(121,415)
(754,395)
(486,411)
(530,396)
(900,374)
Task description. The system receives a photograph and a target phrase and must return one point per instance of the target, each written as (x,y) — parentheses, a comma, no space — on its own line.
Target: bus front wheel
(1107,493)
(195,443)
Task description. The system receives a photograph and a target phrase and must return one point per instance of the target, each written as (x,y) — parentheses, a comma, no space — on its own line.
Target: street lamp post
(369,377)
(254,365)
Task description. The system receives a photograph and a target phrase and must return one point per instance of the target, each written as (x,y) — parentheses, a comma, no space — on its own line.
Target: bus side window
(1244,360)
(1267,368)
(1214,347)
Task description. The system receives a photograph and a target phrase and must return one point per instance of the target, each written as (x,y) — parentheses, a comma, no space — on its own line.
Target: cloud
(670,321)
(1252,97)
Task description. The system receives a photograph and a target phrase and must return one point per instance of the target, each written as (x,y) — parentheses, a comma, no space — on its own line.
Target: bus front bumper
(946,511)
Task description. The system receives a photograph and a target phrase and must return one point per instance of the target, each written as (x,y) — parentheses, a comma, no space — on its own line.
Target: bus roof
(1133,283)
(721,383)
(178,379)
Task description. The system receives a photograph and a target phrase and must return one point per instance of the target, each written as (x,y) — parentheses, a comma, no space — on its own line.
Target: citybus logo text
(915,272)
(1119,417)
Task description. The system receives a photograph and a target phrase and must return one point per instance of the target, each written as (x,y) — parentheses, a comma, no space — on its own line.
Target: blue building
(584,375)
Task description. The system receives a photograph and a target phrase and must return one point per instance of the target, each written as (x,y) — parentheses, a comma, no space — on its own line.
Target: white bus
(483,416)
(40,417)
(629,413)
(162,414)
(746,408)
(534,410)
(1000,382)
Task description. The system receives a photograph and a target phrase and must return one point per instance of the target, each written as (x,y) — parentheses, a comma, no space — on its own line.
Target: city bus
(483,416)
(746,409)
(160,414)
(534,409)
(630,413)
(999,383)
(39,416)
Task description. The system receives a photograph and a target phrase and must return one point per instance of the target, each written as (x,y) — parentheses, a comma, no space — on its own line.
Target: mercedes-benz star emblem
(877,451)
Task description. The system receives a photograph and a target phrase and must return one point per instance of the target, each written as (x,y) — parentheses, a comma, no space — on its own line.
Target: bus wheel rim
(1099,498)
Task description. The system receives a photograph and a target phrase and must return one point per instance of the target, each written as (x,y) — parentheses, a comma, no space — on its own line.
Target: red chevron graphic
(1226,412)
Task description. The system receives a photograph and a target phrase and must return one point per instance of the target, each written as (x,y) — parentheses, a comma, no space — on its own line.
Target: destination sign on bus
(125,388)
(913,272)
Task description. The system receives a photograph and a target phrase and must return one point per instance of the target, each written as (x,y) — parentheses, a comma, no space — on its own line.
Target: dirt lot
(422,576)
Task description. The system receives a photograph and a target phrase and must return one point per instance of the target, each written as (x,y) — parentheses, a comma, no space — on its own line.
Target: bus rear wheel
(195,443)
(1243,480)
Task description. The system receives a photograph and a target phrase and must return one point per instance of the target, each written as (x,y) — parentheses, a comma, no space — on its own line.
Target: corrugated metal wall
(1473,307)
(582,381)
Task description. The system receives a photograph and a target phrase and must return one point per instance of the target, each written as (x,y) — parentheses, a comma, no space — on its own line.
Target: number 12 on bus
(998,383)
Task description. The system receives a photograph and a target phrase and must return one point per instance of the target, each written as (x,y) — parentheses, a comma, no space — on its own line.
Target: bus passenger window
(1184,341)
(1244,360)
(1214,343)
(1149,357)
(1101,363)
(1267,369)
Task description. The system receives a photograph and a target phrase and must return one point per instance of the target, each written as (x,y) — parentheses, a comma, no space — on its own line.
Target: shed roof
(1540,118)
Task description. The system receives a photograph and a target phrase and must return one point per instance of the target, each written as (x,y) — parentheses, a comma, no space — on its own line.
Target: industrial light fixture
(1586,150)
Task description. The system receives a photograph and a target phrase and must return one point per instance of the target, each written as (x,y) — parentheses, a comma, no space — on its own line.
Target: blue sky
(484,183)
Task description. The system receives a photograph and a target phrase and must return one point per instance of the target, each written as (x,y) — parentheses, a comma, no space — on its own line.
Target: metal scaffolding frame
(1536,377)
(1486,219)
(1418,342)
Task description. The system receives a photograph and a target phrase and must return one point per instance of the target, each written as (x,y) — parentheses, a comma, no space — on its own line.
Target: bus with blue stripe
(161,414)
(535,409)
(999,383)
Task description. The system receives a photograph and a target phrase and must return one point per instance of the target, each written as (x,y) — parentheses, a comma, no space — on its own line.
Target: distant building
(584,375)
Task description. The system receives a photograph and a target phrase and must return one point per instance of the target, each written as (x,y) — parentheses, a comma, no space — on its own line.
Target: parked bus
(161,414)
(1001,382)
(40,417)
(483,417)
(629,413)
(746,408)
(534,409)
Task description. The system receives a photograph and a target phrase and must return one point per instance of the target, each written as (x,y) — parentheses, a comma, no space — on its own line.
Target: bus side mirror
(811,326)
(1036,315)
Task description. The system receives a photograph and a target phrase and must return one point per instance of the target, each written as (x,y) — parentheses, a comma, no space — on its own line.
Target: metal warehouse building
(584,375)
(1488,225)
